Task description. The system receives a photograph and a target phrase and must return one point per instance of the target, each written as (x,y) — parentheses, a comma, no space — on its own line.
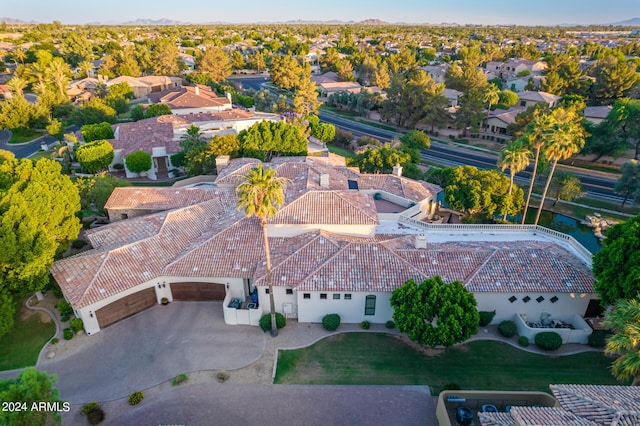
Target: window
(306,296)
(336,296)
(323,296)
(554,299)
(370,305)
(540,299)
(289,291)
(523,103)
(347,296)
(266,291)
(124,216)
(513,299)
(526,299)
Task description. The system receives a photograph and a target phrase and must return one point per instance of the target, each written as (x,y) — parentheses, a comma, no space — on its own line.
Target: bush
(548,340)
(343,138)
(64,307)
(54,341)
(523,341)
(486,317)
(138,162)
(94,413)
(508,328)
(95,156)
(78,244)
(331,322)
(598,339)
(67,334)
(180,378)
(136,398)
(365,325)
(390,325)
(76,324)
(265,321)
(64,318)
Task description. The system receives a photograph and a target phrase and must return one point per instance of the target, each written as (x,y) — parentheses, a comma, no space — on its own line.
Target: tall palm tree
(58,72)
(491,96)
(17,85)
(536,133)
(261,194)
(515,156)
(625,322)
(567,138)
(37,73)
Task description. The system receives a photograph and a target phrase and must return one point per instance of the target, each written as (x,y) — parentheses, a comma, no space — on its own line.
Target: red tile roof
(160,198)
(189,97)
(604,405)
(329,207)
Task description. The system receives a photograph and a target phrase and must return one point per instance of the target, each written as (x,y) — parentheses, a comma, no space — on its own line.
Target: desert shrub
(486,317)
(523,341)
(78,244)
(54,341)
(265,321)
(548,340)
(598,339)
(180,378)
(64,307)
(76,324)
(390,324)
(67,333)
(136,398)
(365,325)
(508,328)
(94,412)
(331,322)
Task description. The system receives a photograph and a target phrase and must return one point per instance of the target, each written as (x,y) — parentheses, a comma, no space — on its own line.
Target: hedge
(508,328)
(548,340)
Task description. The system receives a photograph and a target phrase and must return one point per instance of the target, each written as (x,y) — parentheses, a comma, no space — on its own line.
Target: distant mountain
(162,21)
(373,22)
(14,21)
(633,22)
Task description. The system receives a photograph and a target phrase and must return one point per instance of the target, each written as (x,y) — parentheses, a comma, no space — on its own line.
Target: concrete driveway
(151,347)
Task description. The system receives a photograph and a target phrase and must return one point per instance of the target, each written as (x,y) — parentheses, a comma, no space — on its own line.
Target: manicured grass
(23,135)
(341,151)
(40,154)
(22,344)
(377,358)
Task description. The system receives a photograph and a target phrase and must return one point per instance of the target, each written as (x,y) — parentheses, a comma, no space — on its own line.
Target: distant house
(82,90)
(144,86)
(529,98)
(327,89)
(192,100)
(436,72)
(495,125)
(513,67)
(597,114)
(452,96)
(519,84)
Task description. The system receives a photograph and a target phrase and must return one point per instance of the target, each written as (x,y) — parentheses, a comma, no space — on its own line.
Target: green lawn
(40,154)
(22,344)
(341,151)
(382,359)
(23,135)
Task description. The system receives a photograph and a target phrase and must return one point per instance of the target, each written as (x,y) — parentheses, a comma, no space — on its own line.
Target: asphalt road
(29,148)
(249,82)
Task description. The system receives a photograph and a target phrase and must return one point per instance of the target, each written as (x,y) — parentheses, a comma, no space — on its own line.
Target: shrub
(64,307)
(94,156)
(136,398)
(365,325)
(390,325)
(508,328)
(76,324)
(222,376)
(548,340)
(598,339)
(138,161)
(180,378)
(94,132)
(486,317)
(265,321)
(331,322)
(523,341)
(78,244)
(94,413)
(54,341)
(67,334)
(64,318)
(343,138)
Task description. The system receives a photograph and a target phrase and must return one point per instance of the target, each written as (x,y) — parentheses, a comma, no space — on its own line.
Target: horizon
(463,12)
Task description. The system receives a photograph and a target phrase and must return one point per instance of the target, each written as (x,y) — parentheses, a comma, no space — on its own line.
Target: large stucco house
(342,243)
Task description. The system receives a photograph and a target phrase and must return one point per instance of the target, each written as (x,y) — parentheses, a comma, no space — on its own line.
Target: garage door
(126,307)
(197,291)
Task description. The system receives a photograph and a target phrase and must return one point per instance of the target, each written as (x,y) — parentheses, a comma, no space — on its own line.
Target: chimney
(324,180)
(229,97)
(197,90)
(397,170)
(221,162)
(421,241)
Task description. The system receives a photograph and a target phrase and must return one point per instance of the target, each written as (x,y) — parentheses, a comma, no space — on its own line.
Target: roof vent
(421,241)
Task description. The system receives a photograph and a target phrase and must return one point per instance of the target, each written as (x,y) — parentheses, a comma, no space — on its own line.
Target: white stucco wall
(350,311)
(567,304)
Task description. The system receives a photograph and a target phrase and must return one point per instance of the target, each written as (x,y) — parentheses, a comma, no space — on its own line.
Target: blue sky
(522,12)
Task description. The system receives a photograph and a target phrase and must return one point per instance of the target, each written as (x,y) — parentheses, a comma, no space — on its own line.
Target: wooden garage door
(126,307)
(197,291)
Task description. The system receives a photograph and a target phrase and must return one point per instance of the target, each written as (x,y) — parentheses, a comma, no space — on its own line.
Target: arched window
(370,305)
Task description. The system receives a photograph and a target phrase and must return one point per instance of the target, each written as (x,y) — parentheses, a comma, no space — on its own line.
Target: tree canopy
(30,387)
(157,110)
(95,156)
(617,266)
(267,139)
(435,313)
(94,132)
(624,320)
(380,160)
(138,162)
(214,62)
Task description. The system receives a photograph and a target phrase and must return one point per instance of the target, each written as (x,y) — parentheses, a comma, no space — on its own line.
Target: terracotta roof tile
(496,419)
(329,207)
(160,198)
(547,416)
(605,405)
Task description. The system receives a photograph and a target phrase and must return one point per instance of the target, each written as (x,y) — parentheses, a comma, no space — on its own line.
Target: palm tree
(17,85)
(567,138)
(491,96)
(515,156)
(37,73)
(18,55)
(625,322)
(58,71)
(536,134)
(261,194)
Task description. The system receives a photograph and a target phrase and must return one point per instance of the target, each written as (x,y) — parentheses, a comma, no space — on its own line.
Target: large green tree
(94,111)
(617,266)
(37,220)
(614,77)
(267,139)
(138,162)
(214,62)
(380,160)
(629,181)
(95,156)
(623,122)
(261,194)
(95,190)
(624,320)
(435,313)
(94,132)
(515,156)
(285,71)
(29,388)
(471,112)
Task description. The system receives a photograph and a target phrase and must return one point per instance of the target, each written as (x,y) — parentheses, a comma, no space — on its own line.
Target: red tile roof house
(192,100)
(160,136)
(332,252)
